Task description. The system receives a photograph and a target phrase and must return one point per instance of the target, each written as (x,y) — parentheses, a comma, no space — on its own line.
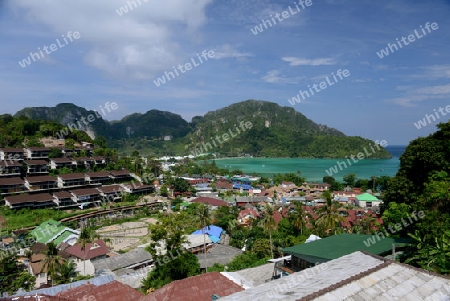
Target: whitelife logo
(202,149)
(48,50)
(423,122)
(162,80)
(323,85)
(124,9)
(90,118)
(360,156)
(411,38)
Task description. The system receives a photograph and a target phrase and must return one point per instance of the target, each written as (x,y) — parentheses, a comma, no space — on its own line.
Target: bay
(315,169)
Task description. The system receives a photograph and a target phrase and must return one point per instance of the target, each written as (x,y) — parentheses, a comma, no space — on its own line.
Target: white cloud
(138,44)
(273,76)
(228,51)
(294,61)
(415,95)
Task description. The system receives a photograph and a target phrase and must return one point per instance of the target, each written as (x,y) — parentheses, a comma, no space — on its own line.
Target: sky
(116,55)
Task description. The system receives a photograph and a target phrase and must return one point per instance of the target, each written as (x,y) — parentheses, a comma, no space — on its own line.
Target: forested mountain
(275,131)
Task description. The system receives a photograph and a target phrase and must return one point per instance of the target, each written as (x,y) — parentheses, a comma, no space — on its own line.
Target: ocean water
(315,169)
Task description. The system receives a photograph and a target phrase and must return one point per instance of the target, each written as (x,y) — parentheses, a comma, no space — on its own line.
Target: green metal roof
(366,197)
(46,232)
(62,237)
(336,246)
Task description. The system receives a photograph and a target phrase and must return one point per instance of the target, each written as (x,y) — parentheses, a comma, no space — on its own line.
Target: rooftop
(198,288)
(335,246)
(29,198)
(357,276)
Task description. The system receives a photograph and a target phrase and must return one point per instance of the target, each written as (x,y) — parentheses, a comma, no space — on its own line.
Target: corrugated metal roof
(52,291)
(339,245)
(123,260)
(252,277)
(354,277)
(309,281)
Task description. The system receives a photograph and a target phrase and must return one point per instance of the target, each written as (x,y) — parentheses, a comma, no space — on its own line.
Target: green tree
(203,217)
(66,272)
(268,224)
(261,248)
(87,235)
(164,191)
(13,277)
(329,215)
(298,217)
(52,261)
(181,185)
(166,247)
(349,179)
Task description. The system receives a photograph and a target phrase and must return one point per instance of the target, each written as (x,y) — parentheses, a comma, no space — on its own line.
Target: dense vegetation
(422,184)
(274,132)
(22,131)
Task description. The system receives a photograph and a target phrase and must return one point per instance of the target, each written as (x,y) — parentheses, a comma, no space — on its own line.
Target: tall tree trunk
(271,248)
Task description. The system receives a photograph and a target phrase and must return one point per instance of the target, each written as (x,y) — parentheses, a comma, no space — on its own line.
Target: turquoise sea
(315,169)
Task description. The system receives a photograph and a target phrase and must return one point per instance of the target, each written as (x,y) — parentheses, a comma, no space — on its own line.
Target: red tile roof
(98,174)
(12,163)
(112,291)
(91,250)
(35,162)
(36,298)
(85,191)
(12,149)
(111,188)
(29,198)
(248,211)
(62,160)
(198,288)
(72,176)
(210,201)
(39,179)
(62,195)
(11,181)
(122,172)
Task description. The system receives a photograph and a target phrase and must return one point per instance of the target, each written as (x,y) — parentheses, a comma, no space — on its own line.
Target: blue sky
(117,58)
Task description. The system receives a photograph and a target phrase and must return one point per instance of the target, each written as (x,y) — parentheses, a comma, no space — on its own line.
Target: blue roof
(244,186)
(211,231)
(214,238)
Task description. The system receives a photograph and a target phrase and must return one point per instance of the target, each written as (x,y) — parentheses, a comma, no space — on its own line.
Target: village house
(56,163)
(11,154)
(11,185)
(10,168)
(35,153)
(86,196)
(71,180)
(40,200)
(98,177)
(36,167)
(40,183)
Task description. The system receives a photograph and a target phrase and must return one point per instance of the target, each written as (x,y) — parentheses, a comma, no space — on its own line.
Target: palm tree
(52,261)
(268,224)
(66,272)
(204,218)
(330,216)
(86,236)
(298,219)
